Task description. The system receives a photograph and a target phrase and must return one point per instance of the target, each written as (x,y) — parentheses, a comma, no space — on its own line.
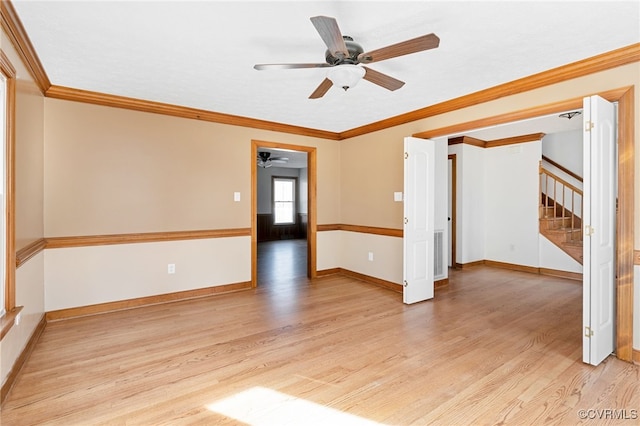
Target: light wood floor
(494,347)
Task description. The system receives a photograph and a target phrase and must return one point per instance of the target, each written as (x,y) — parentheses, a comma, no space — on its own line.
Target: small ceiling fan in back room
(265,159)
(345,58)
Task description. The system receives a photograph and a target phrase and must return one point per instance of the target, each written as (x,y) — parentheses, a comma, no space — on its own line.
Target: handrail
(560,180)
(549,192)
(563,168)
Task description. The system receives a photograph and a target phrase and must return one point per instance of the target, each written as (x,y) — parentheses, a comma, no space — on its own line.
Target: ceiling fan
(344,56)
(266,160)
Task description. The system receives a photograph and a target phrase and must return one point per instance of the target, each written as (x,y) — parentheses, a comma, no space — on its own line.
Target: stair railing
(563,196)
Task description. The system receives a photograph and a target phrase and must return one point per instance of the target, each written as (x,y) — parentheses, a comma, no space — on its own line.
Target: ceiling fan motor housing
(354,50)
(264,155)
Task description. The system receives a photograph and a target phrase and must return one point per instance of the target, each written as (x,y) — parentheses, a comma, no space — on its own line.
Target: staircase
(560,213)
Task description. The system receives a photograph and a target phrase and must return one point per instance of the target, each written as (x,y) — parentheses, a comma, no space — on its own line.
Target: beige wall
(29,164)
(112,171)
(372,170)
(29,134)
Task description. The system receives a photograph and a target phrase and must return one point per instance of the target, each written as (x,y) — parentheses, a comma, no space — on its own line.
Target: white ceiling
(201,54)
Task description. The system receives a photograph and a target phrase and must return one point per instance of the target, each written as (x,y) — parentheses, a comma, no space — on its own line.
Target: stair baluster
(560,220)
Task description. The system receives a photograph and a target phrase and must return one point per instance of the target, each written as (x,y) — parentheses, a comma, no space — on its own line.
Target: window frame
(8,145)
(294,202)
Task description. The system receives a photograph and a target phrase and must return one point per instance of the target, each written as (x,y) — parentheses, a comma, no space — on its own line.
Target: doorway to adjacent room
(283,214)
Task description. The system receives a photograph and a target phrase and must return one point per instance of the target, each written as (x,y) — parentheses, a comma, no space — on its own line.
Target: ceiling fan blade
(288,66)
(322,89)
(418,44)
(383,80)
(328,29)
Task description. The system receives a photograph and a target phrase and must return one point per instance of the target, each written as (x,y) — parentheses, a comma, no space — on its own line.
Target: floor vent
(438,254)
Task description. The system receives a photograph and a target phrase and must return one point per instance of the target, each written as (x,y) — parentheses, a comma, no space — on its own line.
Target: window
(284,210)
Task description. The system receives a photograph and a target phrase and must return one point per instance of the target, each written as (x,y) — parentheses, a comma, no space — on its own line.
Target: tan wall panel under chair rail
(114,171)
(92,275)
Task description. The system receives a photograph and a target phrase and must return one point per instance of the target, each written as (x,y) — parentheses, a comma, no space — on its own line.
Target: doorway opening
(283,213)
(282,181)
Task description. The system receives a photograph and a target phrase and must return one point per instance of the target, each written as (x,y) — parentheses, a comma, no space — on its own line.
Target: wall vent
(438,255)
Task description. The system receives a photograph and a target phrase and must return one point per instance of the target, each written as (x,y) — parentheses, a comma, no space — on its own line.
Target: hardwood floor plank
(493,347)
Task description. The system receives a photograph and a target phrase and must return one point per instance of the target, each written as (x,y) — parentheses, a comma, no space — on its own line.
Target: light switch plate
(397,196)
(236,196)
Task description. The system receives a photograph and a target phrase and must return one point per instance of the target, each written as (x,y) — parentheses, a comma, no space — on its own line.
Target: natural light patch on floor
(262,406)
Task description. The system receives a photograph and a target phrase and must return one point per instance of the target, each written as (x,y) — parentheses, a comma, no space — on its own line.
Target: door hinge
(587,331)
(406,155)
(406,220)
(588,231)
(405,283)
(588,125)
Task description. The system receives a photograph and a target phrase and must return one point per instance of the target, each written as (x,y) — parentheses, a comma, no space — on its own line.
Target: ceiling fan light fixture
(570,115)
(346,76)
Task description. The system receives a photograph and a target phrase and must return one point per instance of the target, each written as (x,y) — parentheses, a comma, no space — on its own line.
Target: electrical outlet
(370,256)
(171,268)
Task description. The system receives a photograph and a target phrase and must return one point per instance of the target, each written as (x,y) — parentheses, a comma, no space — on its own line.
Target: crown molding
(496,142)
(12,26)
(514,140)
(86,96)
(467,140)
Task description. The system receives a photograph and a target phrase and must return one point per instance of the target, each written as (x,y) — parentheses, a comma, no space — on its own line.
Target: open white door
(450,261)
(599,201)
(418,228)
